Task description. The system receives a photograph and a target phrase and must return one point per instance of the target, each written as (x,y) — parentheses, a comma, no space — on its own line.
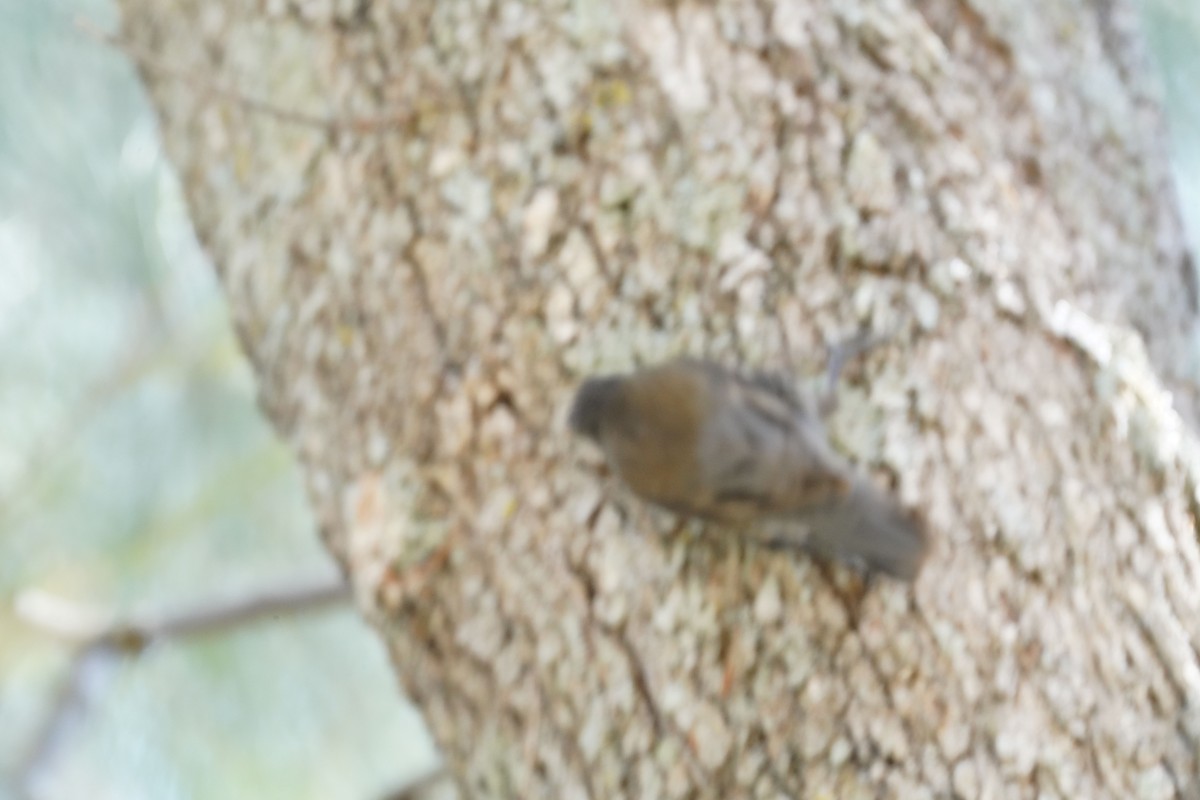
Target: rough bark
(433,218)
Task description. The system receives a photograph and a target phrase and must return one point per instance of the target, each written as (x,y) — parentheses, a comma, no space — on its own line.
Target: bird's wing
(867,528)
(767,459)
(764,451)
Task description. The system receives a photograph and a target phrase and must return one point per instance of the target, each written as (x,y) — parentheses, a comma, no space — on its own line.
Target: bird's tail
(865,527)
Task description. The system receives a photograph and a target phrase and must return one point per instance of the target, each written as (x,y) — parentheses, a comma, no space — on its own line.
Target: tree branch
(100,638)
(153,64)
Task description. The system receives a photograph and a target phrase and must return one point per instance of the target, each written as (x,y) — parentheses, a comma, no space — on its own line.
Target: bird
(744,449)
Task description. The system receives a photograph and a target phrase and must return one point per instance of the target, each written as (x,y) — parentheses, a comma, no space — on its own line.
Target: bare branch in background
(101,638)
(434,784)
(149,62)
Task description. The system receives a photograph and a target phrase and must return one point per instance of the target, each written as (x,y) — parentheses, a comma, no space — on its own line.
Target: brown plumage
(708,442)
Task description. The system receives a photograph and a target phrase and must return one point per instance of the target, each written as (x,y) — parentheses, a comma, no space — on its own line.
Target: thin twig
(283,600)
(152,63)
(435,782)
(100,639)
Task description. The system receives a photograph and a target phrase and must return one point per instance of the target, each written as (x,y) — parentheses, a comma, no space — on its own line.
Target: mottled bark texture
(432,219)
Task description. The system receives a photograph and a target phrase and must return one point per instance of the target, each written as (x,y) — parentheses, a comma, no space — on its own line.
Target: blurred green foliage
(137,475)
(1172,29)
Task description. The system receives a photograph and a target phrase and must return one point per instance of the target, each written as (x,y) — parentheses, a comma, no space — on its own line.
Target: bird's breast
(662,469)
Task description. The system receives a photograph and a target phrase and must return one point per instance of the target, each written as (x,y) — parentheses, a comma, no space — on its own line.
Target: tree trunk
(432,219)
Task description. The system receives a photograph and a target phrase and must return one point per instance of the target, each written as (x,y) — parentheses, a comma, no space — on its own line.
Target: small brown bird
(704,441)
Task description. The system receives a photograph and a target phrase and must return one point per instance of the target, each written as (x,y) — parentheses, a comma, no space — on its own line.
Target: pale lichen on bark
(485,201)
